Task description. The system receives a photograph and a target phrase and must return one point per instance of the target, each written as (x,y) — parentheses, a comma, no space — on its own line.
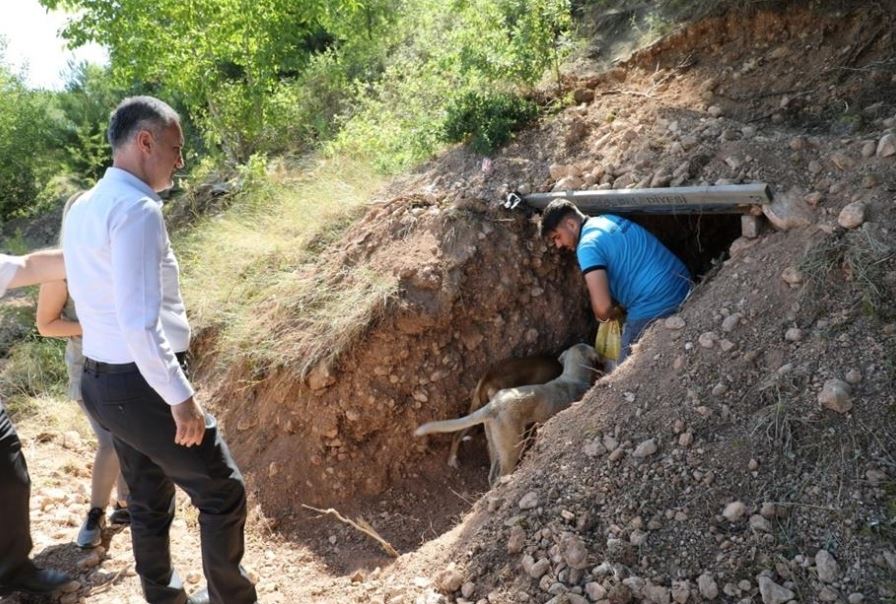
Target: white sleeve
(9,266)
(138,242)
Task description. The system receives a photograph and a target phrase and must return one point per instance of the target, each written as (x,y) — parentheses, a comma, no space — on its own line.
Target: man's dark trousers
(15,488)
(121,400)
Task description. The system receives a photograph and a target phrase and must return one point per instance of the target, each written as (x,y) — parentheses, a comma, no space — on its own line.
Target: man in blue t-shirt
(622,263)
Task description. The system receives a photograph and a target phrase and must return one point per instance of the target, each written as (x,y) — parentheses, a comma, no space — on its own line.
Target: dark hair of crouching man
(123,276)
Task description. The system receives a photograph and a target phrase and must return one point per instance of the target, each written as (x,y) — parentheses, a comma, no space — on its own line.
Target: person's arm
(138,242)
(50,302)
(599,292)
(38,267)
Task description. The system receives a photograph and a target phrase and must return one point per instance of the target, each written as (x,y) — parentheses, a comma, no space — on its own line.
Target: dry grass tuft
(258,274)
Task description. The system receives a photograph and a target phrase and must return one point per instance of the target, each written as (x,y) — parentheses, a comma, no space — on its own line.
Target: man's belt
(99,367)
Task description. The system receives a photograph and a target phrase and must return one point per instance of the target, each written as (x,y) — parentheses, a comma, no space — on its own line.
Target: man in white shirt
(123,277)
(17,571)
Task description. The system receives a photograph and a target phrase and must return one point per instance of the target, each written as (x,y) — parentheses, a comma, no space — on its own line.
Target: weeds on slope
(257,273)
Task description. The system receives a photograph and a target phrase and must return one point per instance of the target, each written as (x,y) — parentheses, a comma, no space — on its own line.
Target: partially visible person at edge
(56,317)
(623,264)
(123,276)
(17,571)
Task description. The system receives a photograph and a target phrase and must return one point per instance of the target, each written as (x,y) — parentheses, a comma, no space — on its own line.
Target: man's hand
(190,422)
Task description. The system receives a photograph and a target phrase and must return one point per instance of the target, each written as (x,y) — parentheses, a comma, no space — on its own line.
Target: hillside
(745,453)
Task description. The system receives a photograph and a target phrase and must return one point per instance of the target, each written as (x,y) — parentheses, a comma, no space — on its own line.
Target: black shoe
(200,597)
(120,515)
(36,581)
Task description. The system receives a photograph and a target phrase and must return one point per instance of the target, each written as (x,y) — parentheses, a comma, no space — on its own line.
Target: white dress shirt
(9,266)
(123,276)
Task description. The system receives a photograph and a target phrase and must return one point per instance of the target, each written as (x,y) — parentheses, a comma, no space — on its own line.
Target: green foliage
(446,50)
(26,145)
(486,120)
(85,105)
(232,75)
(278,75)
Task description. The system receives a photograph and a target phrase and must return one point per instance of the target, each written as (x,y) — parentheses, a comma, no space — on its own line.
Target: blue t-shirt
(645,278)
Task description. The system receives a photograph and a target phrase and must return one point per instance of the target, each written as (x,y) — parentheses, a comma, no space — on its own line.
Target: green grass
(258,274)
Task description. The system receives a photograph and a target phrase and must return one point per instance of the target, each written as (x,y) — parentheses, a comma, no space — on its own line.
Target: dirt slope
(706,467)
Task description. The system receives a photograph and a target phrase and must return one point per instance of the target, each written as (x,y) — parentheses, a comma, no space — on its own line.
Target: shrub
(486,120)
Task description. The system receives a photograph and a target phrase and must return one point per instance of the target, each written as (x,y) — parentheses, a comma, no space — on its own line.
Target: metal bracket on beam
(722,199)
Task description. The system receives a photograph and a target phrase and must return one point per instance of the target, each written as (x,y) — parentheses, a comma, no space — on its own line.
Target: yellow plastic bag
(608,343)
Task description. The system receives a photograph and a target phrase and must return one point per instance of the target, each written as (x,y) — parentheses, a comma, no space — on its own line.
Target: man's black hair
(554,214)
(138,113)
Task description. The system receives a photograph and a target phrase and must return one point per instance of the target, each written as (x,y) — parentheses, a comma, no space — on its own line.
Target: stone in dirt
(887,145)
(869,148)
(842,161)
(731,321)
(759,523)
(536,569)
(674,322)
(772,593)
(645,449)
(707,586)
(827,567)
(794,334)
(708,339)
(574,552)
(656,594)
(595,591)
(593,449)
(559,171)
(852,216)
(517,540)
(734,511)
(727,345)
(468,589)
(448,580)
(568,183)
(529,501)
(836,396)
(789,211)
(792,276)
(750,226)
(681,591)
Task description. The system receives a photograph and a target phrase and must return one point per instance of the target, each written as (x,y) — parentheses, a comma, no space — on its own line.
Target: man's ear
(144,141)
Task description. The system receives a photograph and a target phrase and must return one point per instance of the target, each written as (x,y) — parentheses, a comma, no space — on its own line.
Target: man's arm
(599,292)
(38,267)
(138,242)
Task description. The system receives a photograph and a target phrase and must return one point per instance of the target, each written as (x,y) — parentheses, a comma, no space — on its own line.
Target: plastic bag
(608,343)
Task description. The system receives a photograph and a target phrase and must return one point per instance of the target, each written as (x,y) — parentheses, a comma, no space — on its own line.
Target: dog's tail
(453,425)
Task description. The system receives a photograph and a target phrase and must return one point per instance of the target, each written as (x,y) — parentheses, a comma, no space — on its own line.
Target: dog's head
(580,359)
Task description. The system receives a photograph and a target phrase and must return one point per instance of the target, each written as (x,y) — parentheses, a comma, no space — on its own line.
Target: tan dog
(506,416)
(507,374)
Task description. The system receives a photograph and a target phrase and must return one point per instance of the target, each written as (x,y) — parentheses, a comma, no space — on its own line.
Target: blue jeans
(631,331)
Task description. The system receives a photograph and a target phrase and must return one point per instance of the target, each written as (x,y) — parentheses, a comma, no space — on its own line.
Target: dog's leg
(504,442)
(494,466)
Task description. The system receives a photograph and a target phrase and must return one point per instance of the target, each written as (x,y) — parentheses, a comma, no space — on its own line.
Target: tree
(26,154)
(226,59)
